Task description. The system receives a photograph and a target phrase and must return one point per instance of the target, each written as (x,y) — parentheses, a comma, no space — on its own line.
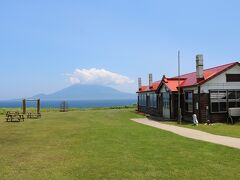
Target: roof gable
(171,83)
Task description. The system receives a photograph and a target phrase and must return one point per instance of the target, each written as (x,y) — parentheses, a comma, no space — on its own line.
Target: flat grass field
(105,144)
(216,128)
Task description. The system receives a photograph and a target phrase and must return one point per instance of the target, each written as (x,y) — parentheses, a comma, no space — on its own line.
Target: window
(166,103)
(150,100)
(218,101)
(188,99)
(142,99)
(221,100)
(233,98)
(139,99)
(233,77)
(153,100)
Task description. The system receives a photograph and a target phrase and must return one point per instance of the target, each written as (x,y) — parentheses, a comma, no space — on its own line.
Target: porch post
(38,106)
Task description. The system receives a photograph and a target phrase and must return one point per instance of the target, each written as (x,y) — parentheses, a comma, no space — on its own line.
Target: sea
(71,103)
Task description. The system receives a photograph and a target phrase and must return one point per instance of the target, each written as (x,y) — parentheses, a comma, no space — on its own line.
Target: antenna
(179,92)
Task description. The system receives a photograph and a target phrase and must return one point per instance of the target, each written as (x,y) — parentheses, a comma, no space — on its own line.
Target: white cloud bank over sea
(98,76)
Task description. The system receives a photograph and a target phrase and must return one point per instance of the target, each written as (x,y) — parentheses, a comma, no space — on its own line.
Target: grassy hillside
(105,144)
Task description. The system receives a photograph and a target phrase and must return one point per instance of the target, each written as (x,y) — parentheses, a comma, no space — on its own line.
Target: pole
(24,106)
(38,106)
(179,92)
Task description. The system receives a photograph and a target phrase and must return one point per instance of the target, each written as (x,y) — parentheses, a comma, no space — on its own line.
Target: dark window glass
(222,95)
(148,100)
(233,77)
(231,94)
(218,101)
(188,96)
(231,104)
(188,101)
(215,107)
(225,99)
(238,95)
(223,106)
(186,107)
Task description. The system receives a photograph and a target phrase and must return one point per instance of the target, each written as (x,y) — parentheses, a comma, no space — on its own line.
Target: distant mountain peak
(86,92)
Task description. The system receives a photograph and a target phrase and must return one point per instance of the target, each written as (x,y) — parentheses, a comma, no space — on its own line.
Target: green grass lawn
(105,144)
(216,128)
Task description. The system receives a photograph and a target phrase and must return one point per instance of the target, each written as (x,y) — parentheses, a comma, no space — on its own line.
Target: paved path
(191,133)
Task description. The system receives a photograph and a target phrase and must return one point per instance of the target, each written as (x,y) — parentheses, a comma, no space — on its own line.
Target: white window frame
(218,100)
(227,100)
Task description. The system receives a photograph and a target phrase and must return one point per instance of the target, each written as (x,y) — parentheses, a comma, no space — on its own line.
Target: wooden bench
(14,116)
(33,115)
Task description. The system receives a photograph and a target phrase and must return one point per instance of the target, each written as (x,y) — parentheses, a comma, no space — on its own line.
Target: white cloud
(98,76)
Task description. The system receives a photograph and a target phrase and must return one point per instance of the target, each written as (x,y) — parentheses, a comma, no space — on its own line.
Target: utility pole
(179,92)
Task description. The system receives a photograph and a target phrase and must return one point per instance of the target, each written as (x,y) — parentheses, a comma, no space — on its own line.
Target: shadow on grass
(13,121)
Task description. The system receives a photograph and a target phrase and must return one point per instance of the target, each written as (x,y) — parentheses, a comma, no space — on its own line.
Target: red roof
(187,80)
(153,87)
(191,79)
(143,88)
(172,83)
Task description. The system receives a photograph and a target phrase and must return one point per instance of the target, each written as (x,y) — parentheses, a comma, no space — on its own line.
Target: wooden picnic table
(14,115)
(31,115)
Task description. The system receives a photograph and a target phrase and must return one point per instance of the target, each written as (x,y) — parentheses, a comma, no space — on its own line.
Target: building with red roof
(208,93)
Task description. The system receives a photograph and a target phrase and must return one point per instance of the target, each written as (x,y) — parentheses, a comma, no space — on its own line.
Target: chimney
(150,79)
(199,67)
(139,83)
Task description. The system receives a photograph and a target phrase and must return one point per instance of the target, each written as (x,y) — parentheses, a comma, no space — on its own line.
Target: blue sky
(44,42)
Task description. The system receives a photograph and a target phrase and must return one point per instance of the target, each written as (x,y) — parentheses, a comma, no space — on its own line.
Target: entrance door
(166,105)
